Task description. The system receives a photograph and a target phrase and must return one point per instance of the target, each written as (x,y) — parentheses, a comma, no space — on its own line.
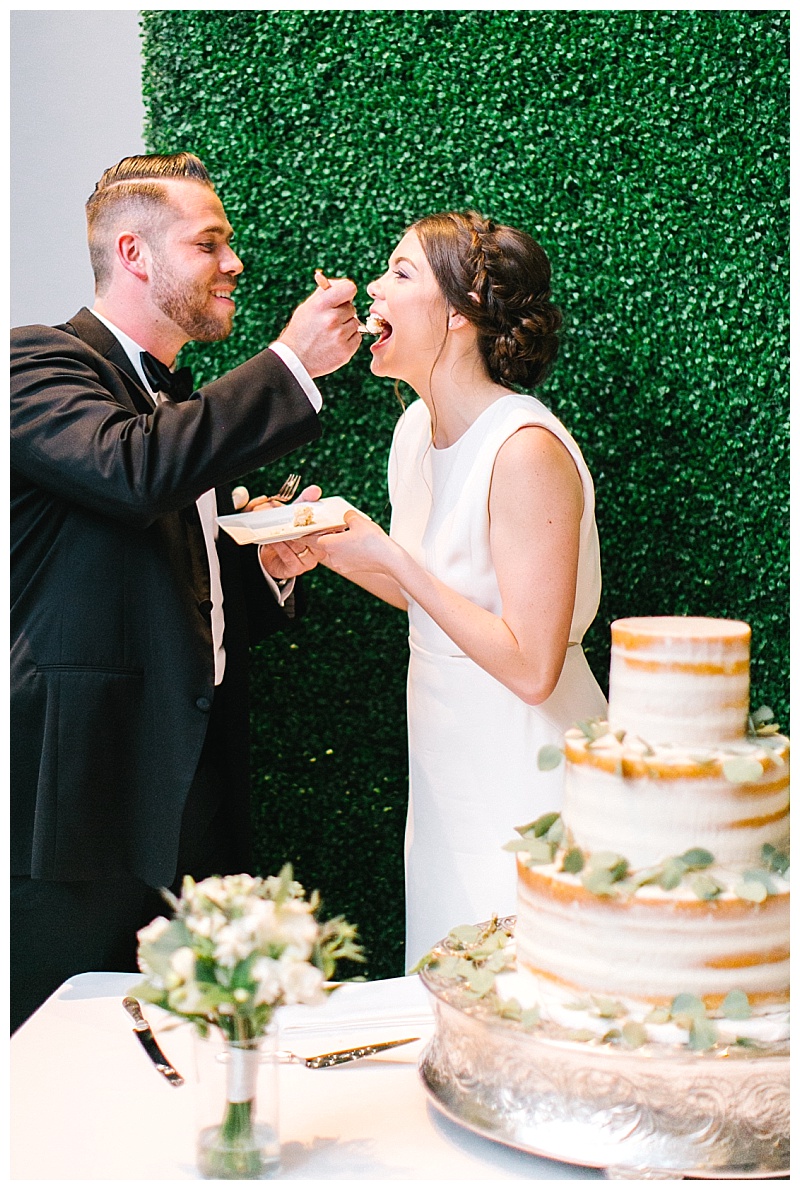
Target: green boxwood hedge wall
(647,151)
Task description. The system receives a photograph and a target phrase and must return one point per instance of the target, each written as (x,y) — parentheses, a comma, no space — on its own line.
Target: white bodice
(440,501)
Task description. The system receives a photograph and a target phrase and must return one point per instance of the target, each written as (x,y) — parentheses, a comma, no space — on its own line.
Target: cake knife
(321,1061)
(149,1043)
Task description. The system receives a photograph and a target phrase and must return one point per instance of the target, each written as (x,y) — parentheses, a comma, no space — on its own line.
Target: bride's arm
(535,510)
(382,585)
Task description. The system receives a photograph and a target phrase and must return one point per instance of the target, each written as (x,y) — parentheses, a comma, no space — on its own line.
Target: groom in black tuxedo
(131,616)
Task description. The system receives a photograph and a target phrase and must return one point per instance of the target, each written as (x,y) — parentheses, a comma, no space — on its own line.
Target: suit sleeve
(264,614)
(77,438)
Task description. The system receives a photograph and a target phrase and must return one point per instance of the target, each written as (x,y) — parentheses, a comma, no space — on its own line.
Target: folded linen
(396,1004)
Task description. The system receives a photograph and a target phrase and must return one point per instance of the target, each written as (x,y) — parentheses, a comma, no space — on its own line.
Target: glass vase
(237,1101)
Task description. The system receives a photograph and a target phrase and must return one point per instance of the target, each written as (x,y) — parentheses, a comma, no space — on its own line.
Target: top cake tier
(680,679)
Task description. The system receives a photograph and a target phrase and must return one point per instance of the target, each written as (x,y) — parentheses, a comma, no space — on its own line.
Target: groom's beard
(191,306)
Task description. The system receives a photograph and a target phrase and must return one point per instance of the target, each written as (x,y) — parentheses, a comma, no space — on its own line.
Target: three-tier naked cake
(669,877)
(641,1016)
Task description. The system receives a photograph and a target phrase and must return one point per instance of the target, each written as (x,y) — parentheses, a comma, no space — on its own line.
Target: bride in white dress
(493,552)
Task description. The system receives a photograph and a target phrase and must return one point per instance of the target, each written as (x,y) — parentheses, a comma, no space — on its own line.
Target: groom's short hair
(132,189)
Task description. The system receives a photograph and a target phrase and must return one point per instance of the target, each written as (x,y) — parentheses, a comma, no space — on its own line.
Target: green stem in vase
(235,1153)
(233,1149)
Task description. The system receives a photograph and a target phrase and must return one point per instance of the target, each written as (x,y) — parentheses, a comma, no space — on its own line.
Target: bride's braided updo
(499,279)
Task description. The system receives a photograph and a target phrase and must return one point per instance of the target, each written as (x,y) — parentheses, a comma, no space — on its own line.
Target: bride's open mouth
(380,327)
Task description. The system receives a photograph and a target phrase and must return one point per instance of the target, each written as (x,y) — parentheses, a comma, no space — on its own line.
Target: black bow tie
(178,386)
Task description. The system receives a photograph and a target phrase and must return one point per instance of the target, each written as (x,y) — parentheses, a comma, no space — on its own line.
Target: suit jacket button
(203,704)
(205,606)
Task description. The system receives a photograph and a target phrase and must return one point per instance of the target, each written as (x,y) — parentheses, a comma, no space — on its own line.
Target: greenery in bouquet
(237,948)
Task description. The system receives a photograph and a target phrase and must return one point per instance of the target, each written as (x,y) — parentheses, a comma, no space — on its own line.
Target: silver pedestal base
(655,1112)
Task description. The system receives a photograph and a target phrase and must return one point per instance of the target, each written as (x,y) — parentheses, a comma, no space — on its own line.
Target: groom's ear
(133,254)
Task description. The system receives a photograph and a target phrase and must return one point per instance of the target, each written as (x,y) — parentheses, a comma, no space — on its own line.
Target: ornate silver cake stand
(654,1112)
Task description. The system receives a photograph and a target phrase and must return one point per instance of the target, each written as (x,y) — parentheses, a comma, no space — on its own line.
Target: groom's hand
(288,559)
(323,331)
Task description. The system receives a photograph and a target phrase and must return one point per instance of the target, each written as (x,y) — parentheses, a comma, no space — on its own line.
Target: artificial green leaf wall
(647,151)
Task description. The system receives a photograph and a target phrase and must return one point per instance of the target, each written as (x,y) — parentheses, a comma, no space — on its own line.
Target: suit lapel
(92,331)
(97,336)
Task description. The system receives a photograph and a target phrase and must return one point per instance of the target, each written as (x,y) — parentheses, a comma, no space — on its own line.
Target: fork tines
(287,489)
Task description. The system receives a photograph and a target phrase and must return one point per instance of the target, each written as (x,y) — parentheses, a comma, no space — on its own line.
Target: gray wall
(76,108)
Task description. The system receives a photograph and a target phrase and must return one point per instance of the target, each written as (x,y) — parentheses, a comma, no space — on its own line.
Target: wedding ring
(305,551)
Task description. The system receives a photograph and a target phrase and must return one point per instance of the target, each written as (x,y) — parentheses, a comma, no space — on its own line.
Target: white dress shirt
(207,504)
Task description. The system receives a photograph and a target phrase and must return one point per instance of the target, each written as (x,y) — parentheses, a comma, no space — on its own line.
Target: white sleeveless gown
(473,745)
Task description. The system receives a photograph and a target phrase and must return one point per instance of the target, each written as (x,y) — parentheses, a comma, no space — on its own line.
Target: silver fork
(287,490)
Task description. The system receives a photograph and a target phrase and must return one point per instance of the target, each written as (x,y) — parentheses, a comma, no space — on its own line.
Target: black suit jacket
(112,669)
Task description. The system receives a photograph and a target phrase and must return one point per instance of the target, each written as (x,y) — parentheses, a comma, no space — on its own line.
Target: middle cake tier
(649,945)
(647,803)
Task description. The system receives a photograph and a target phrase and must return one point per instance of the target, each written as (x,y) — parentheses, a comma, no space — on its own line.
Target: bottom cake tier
(654,1111)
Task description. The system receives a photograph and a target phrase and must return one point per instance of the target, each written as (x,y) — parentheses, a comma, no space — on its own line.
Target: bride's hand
(362,548)
(288,559)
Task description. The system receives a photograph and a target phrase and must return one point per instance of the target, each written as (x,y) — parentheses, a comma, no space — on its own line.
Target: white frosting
(680,679)
(653,944)
(649,818)
(554,1005)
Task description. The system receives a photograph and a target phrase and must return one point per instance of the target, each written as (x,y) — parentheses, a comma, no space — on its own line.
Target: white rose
(152,932)
(182,962)
(301,982)
(205,925)
(212,888)
(227,891)
(260,920)
(233,943)
(296,929)
(267,973)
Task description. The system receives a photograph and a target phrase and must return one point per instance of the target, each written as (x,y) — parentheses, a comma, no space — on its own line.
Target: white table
(87,1104)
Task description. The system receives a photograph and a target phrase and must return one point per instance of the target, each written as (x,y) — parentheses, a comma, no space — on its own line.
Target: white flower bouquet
(236,948)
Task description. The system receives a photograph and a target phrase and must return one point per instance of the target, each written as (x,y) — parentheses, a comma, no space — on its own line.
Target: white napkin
(391,1007)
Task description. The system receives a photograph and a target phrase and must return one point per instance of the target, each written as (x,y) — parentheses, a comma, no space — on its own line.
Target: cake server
(339,1056)
(149,1043)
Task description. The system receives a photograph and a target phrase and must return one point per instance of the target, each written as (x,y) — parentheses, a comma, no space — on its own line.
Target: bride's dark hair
(499,279)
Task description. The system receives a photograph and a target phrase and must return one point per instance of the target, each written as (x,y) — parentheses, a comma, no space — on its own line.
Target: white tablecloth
(87,1104)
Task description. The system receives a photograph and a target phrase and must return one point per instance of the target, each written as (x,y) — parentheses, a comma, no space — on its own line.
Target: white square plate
(278,524)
